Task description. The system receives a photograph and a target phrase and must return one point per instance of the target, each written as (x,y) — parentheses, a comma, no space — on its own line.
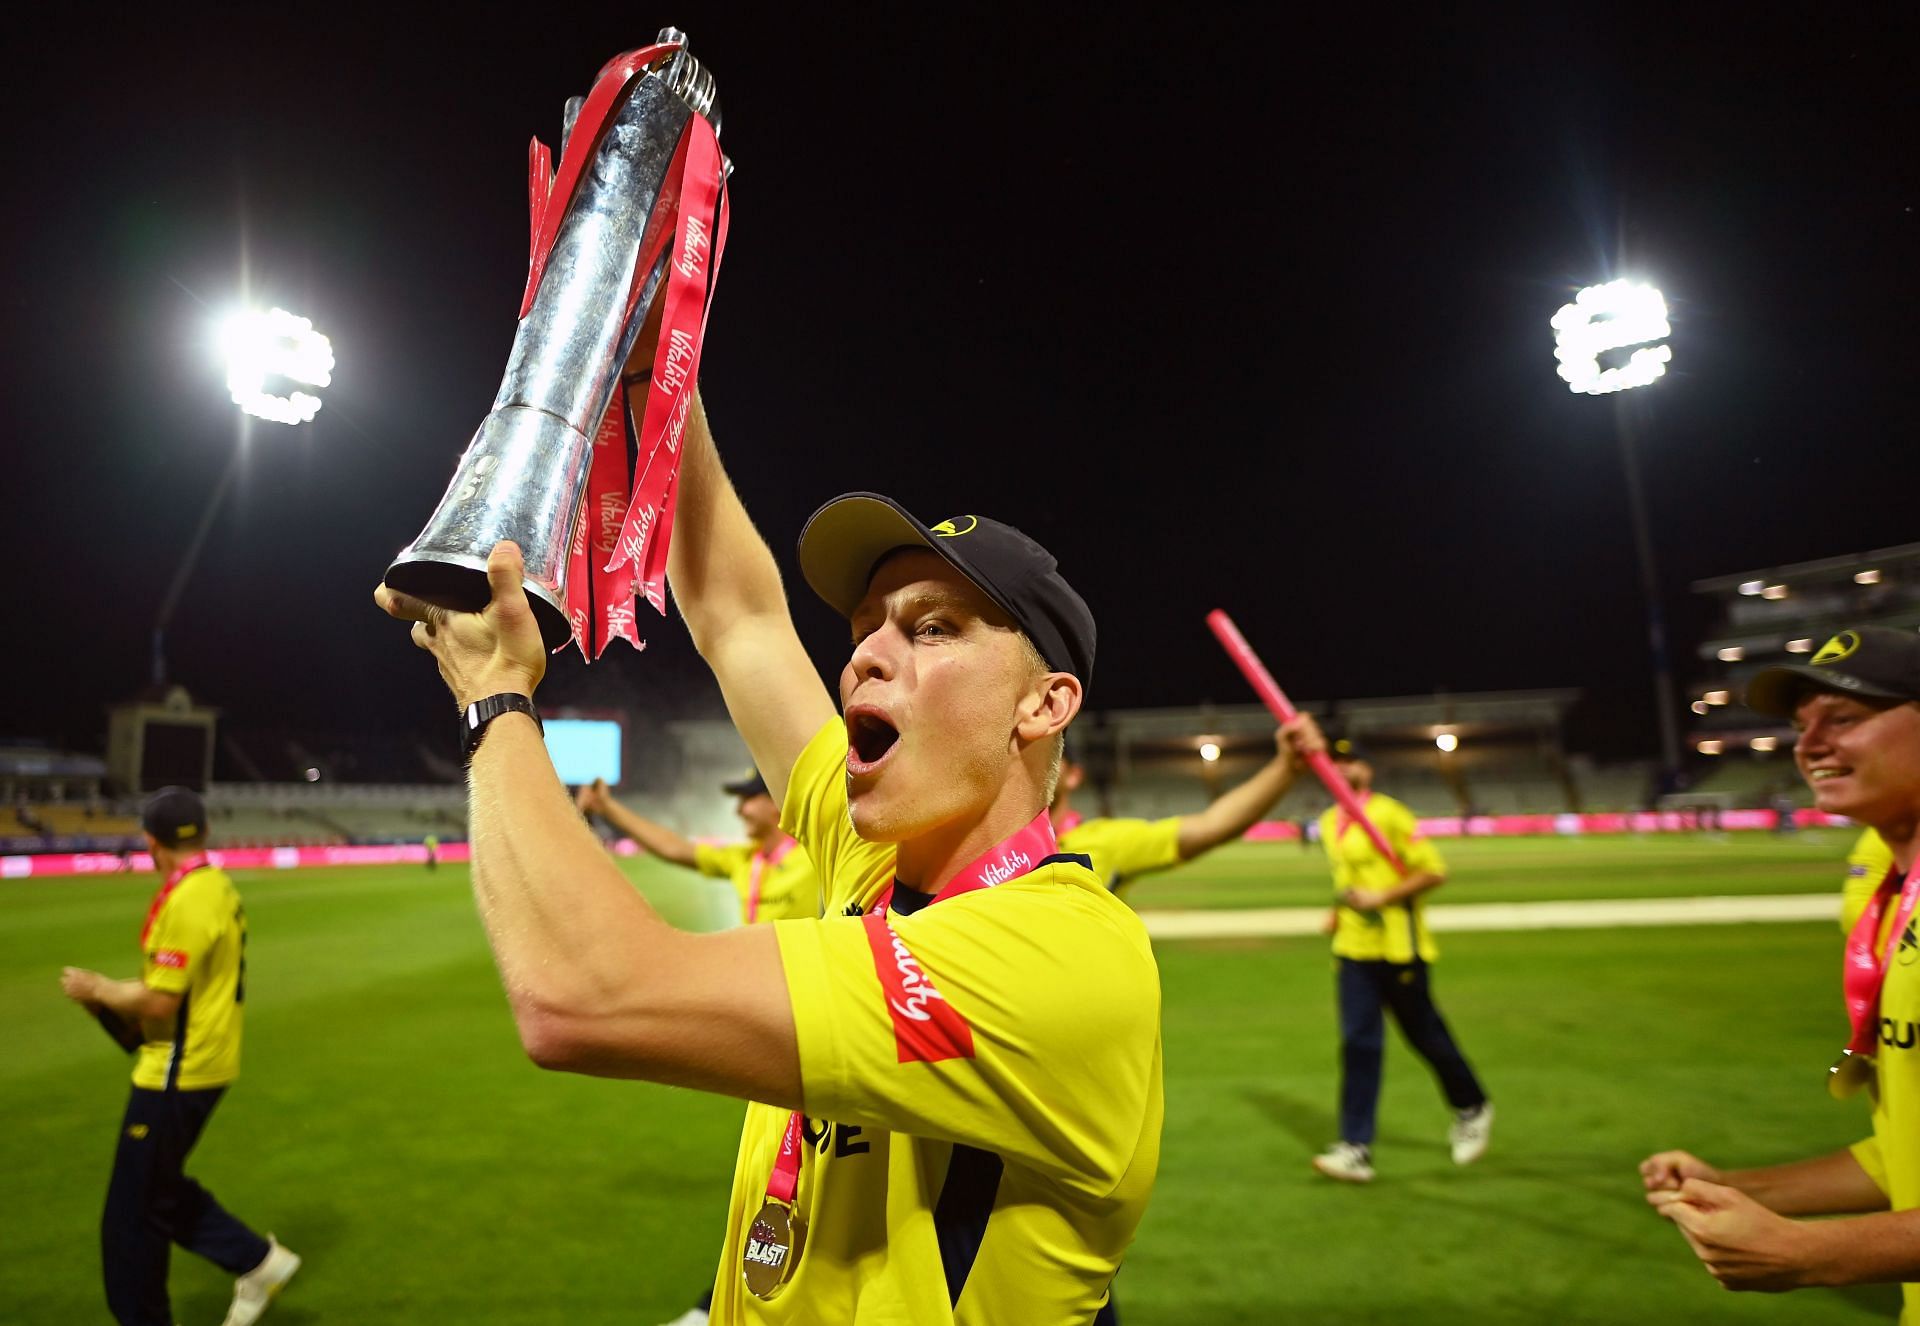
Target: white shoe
(1346,1162)
(253,1291)
(691,1317)
(1470,1132)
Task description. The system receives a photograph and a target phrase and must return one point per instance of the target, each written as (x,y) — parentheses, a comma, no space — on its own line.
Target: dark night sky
(1224,310)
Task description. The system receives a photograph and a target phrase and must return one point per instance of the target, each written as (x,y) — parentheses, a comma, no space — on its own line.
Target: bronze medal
(773,1249)
(1849,1073)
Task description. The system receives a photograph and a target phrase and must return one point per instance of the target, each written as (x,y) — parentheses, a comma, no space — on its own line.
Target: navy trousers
(152,1205)
(1367,992)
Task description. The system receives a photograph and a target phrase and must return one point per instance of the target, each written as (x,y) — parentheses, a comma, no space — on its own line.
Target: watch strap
(476,716)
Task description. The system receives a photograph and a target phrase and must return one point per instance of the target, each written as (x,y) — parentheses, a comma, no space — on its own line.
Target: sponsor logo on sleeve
(926,1028)
(170,957)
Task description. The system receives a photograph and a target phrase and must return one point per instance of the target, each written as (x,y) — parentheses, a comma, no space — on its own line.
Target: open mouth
(870,739)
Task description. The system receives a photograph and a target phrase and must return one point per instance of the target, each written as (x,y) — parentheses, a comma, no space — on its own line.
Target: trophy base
(459,583)
(521,478)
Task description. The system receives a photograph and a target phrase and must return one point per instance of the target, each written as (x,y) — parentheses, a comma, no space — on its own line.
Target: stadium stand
(1613,787)
(1781,614)
(277,789)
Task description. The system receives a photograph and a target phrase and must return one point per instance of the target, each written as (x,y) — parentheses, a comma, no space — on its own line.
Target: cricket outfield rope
(1275,922)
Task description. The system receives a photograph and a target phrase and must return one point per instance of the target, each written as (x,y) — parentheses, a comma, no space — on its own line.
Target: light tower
(1590,336)
(275,361)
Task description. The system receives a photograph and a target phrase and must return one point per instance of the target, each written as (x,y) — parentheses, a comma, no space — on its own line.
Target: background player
(1124,849)
(1382,951)
(770,871)
(189,1002)
(1856,707)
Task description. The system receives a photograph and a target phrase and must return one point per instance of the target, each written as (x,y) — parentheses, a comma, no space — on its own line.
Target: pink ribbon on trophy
(619,545)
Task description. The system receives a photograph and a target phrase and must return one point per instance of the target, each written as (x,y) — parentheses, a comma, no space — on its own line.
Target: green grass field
(389,1128)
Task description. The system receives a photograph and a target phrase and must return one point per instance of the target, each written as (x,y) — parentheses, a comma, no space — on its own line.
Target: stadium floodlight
(1614,316)
(1717,697)
(1699,706)
(1209,751)
(1804,645)
(1765,743)
(1447,742)
(1868,577)
(1774,593)
(1710,747)
(1732,654)
(271,357)
(1753,588)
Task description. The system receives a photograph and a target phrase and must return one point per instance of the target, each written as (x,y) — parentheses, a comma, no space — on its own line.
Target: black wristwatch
(476,716)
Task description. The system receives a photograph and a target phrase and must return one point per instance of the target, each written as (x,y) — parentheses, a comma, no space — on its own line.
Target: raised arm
(727,584)
(1239,810)
(597,981)
(1236,811)
(656,839)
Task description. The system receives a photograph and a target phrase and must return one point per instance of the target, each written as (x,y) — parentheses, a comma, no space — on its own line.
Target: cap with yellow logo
(176,817)
(845,541)
(1877,662)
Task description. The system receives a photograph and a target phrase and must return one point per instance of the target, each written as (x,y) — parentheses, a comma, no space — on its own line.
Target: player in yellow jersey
(1867,864)
(1122,850)
(1382,952)
(184,1013)
(1856,706)
(957,1071)
(770,871)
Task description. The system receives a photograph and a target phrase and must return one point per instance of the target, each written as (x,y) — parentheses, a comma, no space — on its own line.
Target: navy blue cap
(845,541)
(176,817)
(749,784)
(1877,662)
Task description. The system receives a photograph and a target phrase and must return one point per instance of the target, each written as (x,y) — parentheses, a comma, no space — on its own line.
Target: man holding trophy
(954,1076)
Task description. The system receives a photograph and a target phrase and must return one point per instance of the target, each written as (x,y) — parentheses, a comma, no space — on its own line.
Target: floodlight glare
(1804,645)
(1866,577)
(1447,742)
(280,350)
(1710,747)
(1613,316)
(1209,751)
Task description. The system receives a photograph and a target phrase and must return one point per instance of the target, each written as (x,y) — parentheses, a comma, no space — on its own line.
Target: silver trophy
(524,473)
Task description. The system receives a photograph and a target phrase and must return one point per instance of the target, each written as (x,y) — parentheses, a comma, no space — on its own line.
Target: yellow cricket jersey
(1391,934)
(195,946)
(992,1175)
(1122,850)
(1892,1155)
(1867,864)
(772,887)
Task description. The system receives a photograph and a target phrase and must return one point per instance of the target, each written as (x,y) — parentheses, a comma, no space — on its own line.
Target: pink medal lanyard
(1864,974)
